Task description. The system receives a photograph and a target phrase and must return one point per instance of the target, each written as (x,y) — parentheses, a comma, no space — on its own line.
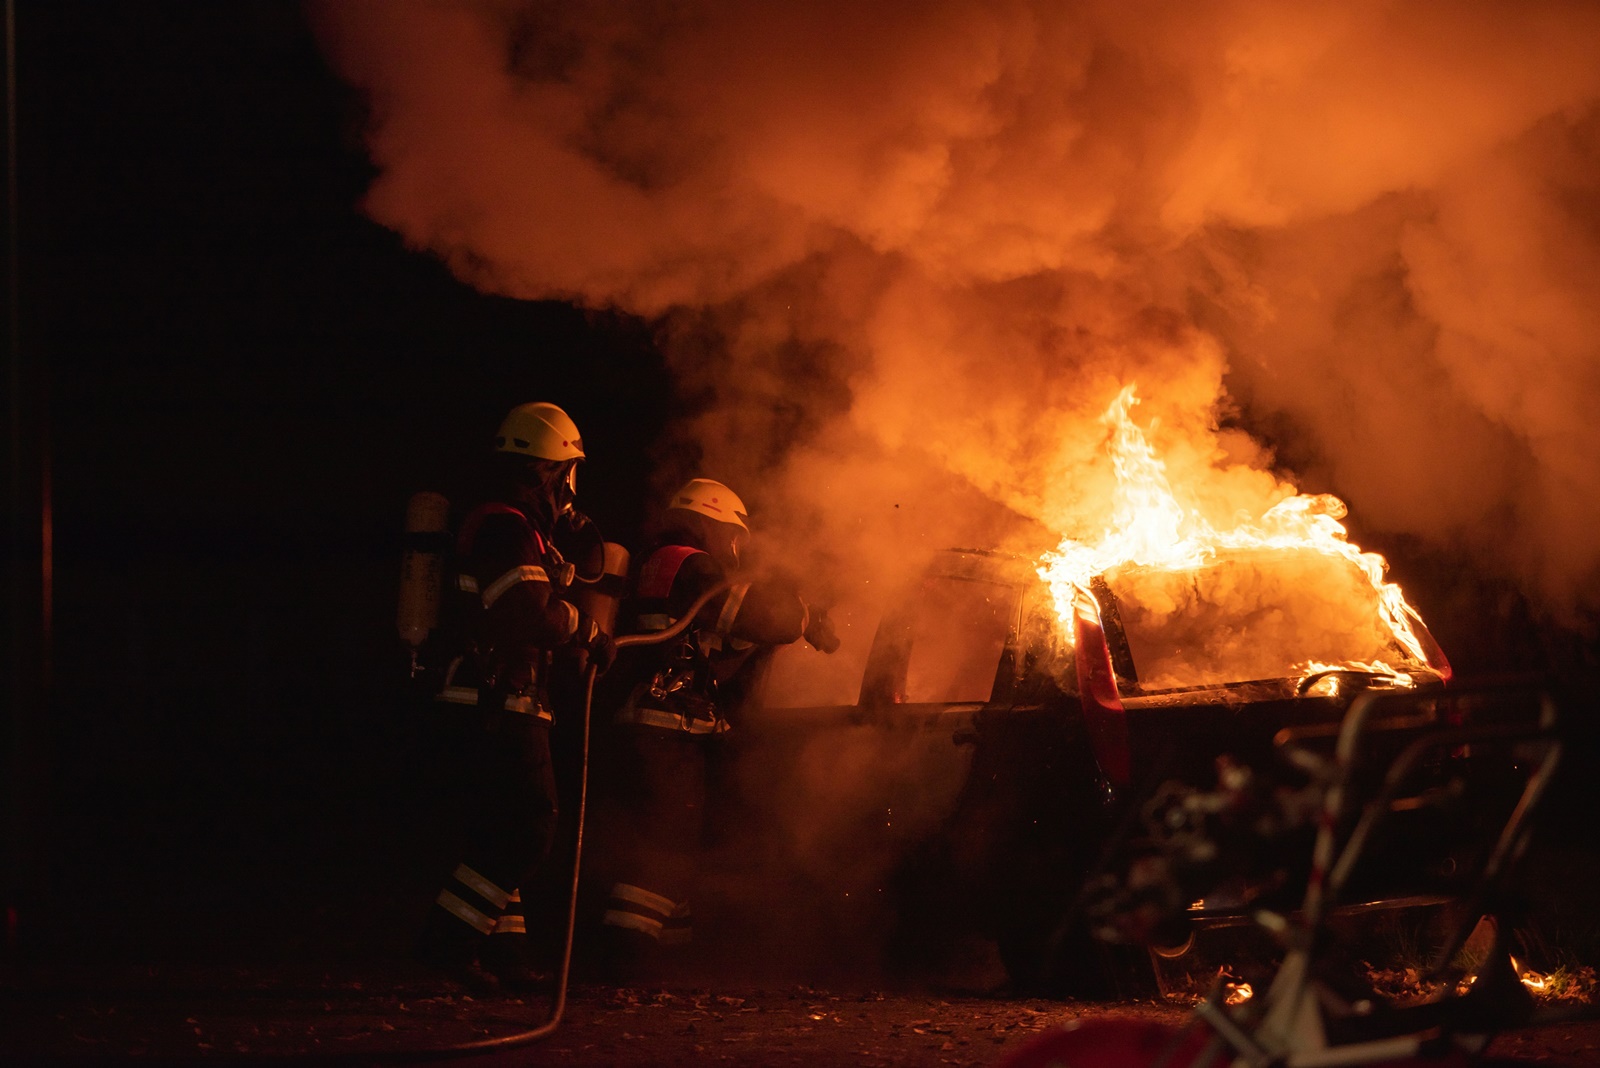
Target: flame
(1331,686)
(1149,526)
(1239,993)
(1533,980)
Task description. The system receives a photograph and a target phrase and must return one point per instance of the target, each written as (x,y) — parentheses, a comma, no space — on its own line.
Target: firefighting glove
(602,652)
(820,632)
(600,646)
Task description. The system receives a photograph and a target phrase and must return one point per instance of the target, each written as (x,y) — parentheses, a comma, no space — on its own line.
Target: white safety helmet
(540,430)
(711,499)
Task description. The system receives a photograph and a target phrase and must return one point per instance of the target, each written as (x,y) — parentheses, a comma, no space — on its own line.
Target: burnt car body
(1040,748)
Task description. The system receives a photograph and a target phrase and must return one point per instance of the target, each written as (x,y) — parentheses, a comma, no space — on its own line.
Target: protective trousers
(511,822)
(668,819)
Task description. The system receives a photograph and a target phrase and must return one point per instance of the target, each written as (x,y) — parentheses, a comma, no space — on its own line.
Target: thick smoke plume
(904,254)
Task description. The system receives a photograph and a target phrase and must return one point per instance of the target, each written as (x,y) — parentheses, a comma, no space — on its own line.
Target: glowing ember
(1173,558)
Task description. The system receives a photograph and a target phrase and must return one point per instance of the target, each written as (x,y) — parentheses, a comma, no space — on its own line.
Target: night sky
(243,379)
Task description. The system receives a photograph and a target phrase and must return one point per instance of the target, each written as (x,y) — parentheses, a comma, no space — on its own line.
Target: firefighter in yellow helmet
(684,699)
(512,616)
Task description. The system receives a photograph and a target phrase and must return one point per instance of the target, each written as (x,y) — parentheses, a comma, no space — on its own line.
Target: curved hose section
(516,1038)
(548,1028)
(656,637)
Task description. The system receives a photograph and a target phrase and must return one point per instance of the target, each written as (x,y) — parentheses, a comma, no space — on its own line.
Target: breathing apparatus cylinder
(422,569)
(600,598)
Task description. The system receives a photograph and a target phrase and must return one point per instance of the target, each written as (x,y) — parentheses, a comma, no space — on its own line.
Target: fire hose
(548,1028)
(426,521)
(418,614)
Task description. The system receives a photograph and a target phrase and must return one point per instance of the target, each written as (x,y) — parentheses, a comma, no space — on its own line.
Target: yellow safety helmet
(711,499)
(539,430)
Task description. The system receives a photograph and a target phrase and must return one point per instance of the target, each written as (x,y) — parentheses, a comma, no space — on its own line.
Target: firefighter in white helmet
(683,700)
(512,615)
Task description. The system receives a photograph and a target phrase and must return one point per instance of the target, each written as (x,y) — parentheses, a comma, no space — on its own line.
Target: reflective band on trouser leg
(510,925)
(679,928)
(624,918)
(464,912)
(512,921)
(483,887)
(638,909)
(472,899)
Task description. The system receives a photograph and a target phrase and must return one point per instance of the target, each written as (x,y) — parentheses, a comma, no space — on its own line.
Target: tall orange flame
(1149,526)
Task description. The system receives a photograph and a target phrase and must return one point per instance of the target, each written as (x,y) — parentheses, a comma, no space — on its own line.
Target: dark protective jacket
(683,684)
(508,613)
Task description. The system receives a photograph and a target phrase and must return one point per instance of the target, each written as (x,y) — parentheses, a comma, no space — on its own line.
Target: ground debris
(754,1027)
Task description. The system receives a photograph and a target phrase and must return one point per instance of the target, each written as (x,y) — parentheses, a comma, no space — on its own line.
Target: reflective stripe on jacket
(678,688)
(508,610)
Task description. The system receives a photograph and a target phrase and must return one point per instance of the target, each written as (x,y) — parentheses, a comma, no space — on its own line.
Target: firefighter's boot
(506,953)
(638,932)
(450,947)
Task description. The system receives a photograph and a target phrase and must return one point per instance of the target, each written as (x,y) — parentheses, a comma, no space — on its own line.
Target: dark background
(238,381)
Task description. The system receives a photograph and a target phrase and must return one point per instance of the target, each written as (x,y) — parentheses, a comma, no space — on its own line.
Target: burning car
(1062,731)
(1076,684)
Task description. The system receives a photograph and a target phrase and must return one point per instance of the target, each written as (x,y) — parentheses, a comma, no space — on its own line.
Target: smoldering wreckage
(1000,311)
